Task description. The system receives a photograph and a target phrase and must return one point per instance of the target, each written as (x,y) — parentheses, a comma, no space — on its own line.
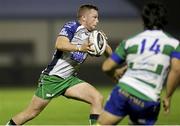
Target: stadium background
(28,30)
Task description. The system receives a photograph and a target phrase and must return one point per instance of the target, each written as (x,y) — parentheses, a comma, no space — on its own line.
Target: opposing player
(59,78)
(149,56)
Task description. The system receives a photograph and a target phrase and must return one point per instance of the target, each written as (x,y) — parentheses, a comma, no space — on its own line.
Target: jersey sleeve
(176,52)
(120,54)
(69,29)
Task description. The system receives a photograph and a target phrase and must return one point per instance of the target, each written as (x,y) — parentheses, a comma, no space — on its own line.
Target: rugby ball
(99,43)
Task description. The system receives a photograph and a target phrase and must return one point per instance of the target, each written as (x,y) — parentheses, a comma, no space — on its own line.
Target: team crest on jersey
(70,24)
(78,56)
(64,32)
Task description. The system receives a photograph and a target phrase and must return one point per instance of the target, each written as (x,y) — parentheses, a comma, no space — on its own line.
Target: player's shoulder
(72,24)
(69,28)
(132,38)
(154,33)
(171,37)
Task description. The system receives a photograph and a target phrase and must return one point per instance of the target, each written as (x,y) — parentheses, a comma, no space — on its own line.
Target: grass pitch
(63,111)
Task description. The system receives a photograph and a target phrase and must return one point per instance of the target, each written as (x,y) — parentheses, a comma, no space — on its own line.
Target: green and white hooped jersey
(65,64)
(148,57)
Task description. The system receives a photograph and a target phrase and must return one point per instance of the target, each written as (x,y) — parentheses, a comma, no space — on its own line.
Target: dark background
(19,62)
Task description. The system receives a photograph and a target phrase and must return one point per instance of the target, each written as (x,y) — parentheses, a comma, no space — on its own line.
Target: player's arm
(172,82)
(111,67)
(108,51)
(63,44)
(120,71)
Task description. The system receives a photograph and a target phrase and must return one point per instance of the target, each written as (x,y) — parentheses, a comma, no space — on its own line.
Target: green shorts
(50,86)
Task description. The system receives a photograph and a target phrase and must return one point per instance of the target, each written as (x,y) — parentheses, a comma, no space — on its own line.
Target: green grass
(63,111)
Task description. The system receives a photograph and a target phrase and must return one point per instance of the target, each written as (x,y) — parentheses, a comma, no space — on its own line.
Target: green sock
(93,118)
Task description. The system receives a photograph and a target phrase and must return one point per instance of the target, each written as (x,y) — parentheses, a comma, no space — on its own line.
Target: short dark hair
(154,15)
(85,7)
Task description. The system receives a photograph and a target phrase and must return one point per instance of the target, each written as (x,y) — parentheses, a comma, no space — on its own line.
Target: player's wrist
(78,48)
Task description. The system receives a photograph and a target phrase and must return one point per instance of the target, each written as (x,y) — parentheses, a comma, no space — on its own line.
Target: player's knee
(101,98)
(98,98)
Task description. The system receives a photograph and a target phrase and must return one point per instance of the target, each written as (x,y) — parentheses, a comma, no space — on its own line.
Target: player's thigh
(146,114)
(107,118)
(83,91)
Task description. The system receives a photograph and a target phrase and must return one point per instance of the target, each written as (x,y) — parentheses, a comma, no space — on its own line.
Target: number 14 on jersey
(155,47)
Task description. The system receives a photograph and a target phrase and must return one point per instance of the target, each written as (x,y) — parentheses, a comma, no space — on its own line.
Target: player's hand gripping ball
(98,39)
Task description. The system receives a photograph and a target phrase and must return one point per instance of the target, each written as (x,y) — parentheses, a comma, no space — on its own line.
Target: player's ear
(83,18)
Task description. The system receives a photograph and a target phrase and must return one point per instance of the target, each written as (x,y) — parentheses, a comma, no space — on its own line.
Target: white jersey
(65,64)
(148,57)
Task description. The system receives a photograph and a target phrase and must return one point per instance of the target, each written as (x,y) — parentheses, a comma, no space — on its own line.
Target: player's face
(91,19)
